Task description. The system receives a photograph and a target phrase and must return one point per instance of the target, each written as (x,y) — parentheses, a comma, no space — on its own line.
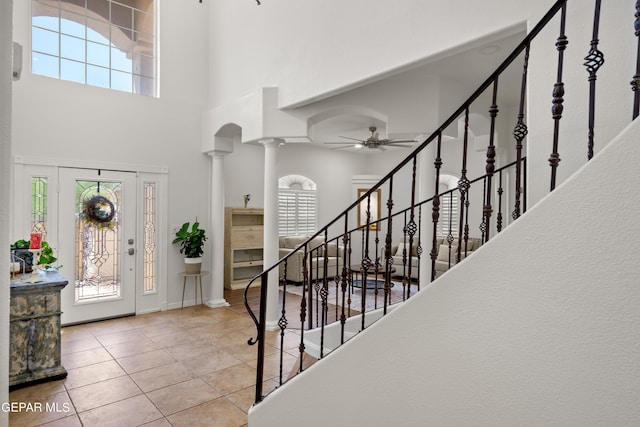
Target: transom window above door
(106,43)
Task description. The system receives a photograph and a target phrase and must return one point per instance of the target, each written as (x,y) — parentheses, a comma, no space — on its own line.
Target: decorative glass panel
(97,272)
(150,236)
(39,191)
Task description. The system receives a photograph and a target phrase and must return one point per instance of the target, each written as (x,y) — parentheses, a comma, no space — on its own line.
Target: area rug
(372,299)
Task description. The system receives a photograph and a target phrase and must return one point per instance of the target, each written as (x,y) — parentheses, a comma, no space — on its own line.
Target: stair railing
(388,243)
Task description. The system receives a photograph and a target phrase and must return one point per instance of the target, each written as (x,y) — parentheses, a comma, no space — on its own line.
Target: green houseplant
(191,239)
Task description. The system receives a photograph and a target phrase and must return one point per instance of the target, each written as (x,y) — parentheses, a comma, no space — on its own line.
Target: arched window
(449,206)
(101,43)
(296,205)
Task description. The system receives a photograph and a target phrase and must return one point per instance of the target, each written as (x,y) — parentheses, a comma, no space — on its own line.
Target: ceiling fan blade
(394,141)
(353,139)
(381,148)
(348,144)
(401,145)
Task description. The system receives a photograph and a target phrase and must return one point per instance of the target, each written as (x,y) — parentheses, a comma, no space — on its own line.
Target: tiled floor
(189,367)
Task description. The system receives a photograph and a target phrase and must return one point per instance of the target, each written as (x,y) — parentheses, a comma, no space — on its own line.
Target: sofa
(446,257)
(295,272)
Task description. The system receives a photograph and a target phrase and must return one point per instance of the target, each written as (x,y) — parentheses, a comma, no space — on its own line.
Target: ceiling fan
(373,141)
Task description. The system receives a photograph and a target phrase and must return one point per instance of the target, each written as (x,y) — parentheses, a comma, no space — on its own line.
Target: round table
(197,278)
(372,271)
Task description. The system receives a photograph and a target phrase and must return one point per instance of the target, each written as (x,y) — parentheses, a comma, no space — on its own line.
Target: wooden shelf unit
(243,245)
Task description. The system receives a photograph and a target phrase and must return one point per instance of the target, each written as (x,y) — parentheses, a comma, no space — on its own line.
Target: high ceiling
(466,67)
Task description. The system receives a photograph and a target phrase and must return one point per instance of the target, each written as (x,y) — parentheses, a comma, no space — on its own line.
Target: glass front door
(97,235)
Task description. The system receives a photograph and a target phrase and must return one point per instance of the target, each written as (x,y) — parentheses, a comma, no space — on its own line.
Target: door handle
(131,251)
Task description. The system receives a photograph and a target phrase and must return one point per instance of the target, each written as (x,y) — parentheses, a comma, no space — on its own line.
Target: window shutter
(297,212)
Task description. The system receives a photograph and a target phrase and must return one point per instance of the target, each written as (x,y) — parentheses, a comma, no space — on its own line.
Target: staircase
(539,325)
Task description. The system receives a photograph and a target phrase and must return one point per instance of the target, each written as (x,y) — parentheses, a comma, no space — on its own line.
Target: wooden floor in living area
(183,367)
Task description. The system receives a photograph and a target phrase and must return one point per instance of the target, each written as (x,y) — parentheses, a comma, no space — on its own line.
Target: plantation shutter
(296,212)
(449,214)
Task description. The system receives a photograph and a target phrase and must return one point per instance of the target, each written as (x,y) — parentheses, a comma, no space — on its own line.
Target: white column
(271,227)
(6,31)
(216,293)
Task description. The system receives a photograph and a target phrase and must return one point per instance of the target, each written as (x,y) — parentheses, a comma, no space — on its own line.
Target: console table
(34,330)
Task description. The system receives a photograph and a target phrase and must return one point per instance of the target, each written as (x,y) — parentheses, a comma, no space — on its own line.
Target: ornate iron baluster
(463,185)
(558,93)
(593,61)
(519,132)
(388,261)
(435,210)
(483,223)
(635,83)
(450,237)
(282,321)
(491,161)
(412,228)
(346,278)
(499,215)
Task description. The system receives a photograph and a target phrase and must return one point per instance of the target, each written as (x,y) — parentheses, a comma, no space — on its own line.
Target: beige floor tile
(182,396)
(119,337)
(79,344)
(161,329)
(53,408)
(163,376)
(212,362)
(272,365)
(143,361)
(102,393)
(134,411)
(131,348)
(70,333)
(184,352)
(92,374)
(37,392)
(85,358)
(177,338)
(158,423)
(217,413)
(232,379)
(72,421)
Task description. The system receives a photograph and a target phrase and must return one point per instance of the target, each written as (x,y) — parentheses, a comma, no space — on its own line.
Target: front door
(97,230)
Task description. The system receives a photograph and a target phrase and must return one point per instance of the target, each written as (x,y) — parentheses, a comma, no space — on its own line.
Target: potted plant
(191,240)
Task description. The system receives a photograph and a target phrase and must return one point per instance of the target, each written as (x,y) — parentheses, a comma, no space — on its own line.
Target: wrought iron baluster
(635,83)
(499,215)
(593,61)
(262,322)
(558,93)
(450,237)
(346,278)
(388,260)
(435,210)
(519,132)
(491,162)
(418,247)
(412,228)
(282,323)
(463,186)
(483,224)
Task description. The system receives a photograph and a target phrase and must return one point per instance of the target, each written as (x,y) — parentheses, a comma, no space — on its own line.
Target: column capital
(272,142)
(218,154)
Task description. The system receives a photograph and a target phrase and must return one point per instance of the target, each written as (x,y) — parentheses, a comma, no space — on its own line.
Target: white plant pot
(192,265)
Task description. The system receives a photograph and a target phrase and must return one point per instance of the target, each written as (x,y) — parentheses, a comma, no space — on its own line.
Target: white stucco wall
(6,26)
(538,327)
